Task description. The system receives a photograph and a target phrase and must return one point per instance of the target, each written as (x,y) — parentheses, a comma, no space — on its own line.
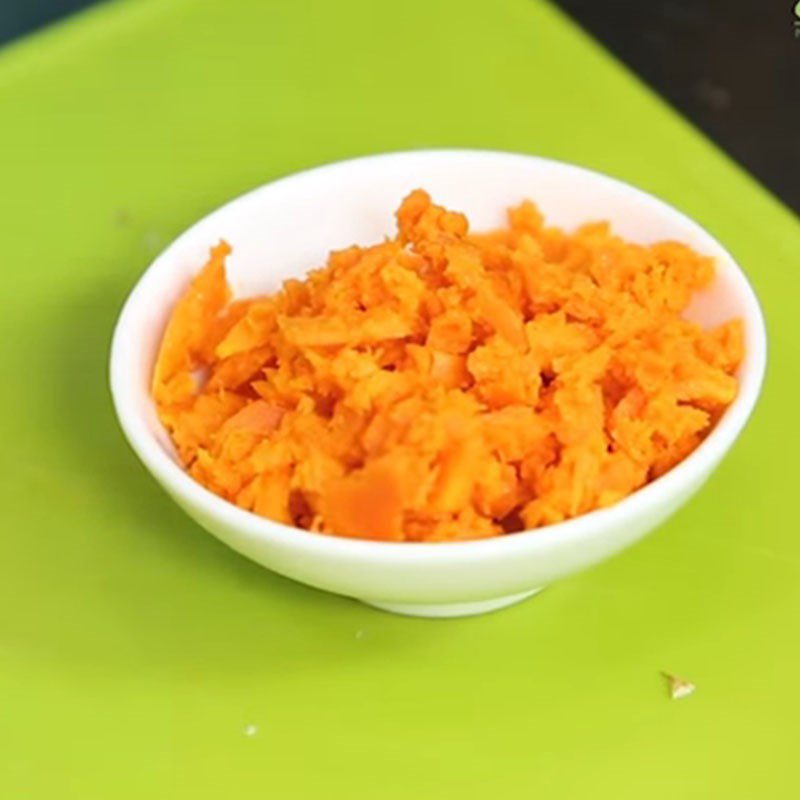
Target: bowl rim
(684,476)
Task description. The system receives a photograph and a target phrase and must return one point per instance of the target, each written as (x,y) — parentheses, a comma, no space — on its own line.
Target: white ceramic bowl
(289,226)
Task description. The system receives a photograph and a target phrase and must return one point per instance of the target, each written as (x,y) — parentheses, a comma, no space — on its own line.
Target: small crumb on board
(153,241)
(122,217)
(678,687)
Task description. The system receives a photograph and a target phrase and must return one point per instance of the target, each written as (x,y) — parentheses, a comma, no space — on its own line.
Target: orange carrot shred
(195,313)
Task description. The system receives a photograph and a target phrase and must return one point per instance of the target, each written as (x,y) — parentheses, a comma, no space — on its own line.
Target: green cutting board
(139,658)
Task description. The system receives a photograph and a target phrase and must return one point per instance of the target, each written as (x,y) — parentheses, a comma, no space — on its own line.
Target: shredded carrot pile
(447,385)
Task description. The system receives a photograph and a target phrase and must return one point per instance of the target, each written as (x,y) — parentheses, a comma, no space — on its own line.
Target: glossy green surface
(135,650)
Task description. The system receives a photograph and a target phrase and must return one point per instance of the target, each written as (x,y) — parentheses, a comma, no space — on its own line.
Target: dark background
(731,66)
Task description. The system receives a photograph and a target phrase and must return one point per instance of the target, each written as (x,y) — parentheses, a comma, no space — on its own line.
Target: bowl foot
(452,609)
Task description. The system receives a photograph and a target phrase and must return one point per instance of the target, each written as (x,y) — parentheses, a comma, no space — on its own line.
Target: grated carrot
(446,385)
